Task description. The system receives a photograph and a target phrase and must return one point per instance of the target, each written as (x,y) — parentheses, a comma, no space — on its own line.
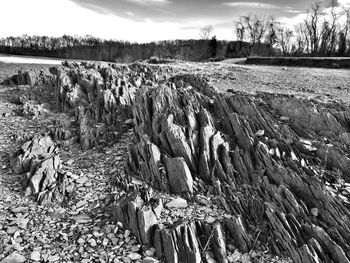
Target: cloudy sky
(138,20)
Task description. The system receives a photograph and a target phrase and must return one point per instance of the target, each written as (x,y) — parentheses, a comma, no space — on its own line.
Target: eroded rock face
(39,162)
(269,179)
(32,78)
(105,92)
(39,148)
(134,213)
(179,176)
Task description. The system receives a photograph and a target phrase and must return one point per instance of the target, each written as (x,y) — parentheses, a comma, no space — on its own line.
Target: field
(321,62)
(184,162)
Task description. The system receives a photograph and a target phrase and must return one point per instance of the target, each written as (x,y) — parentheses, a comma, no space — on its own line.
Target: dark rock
(179,175)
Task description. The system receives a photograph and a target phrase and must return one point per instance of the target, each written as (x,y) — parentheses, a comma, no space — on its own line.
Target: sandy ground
(314,83)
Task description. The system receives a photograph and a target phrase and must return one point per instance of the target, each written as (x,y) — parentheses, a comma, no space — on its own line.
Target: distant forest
(324,32)
(91,48)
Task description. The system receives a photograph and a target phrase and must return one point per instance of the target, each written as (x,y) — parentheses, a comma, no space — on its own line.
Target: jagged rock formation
(101,93)
(31,77)
(278,165)
(184,241)
(39,162)
(277,162)
(134,213)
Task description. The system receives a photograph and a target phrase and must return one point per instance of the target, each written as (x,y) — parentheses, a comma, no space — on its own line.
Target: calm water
(29,60)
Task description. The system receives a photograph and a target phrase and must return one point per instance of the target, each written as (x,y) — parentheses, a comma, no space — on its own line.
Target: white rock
(14,258)
(35,255)
(135,248)
(260,133)
(177,203)
(54,258)
(314,212)
(284,118)
(134,256)
(149,260)
(93,242)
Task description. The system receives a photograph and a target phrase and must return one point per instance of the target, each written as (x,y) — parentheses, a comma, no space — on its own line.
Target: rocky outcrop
(269,158)
(39,163)
(38,148)
(101,93)
(31,77)
(138,215)
(187,239)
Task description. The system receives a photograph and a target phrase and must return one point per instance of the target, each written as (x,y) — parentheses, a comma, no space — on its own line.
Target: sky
(139,20)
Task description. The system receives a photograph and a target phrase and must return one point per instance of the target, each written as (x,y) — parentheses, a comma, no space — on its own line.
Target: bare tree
(205,32)
(271,35)
(254,29)
(346,29)
(311,23)
(329,32)
(284,36)
(301,39)
(240,32)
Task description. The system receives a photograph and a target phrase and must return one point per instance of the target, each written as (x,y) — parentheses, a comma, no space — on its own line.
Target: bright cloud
(253,5)
(59,17)
(150,2)
(137,20)
(129,13)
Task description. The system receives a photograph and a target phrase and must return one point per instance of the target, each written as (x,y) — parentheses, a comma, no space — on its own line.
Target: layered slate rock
(101,93)
(32,77)
(138,215)
(38,148)
(40,164)
(278,163)
(185,240)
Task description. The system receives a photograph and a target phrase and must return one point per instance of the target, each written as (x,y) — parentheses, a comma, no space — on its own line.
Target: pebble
(93,242)
(81,218)
(105,242)
(234,257)
(210,220)
(53,258)
(314,212)
(150,252)
(11,230)
(134,256)
(81,203)
(22,223)
(135,248)
(177,203)
(260,133)
(284,118)
(127,233)
(82,180)
(35,255)
(149,260)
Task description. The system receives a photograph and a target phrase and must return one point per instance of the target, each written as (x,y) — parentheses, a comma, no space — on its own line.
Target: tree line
(91,48)
(323,32)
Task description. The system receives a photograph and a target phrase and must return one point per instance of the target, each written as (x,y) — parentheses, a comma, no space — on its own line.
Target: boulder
(179,175)
(38,148)
(31,78)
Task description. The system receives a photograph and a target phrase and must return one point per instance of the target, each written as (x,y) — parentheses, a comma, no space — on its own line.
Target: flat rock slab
(177,203)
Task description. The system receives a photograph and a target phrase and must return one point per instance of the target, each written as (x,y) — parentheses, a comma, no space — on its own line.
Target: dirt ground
(313,83)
